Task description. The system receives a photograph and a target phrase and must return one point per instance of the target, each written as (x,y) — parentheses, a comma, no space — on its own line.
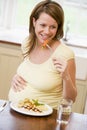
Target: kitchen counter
(14,36)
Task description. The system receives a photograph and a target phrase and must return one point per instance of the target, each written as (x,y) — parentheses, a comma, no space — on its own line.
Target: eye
(42,25)
(52,27)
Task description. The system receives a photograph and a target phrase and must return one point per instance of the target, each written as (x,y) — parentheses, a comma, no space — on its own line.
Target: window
(24,8)
(75,17)
(1,12)
(15,14)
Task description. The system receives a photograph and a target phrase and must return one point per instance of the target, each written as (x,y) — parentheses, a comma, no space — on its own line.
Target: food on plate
(33,105)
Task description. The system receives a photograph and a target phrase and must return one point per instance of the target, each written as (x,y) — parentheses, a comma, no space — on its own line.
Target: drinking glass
(64,111)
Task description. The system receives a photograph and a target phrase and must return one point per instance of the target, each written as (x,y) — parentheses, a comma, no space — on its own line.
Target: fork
(3,106)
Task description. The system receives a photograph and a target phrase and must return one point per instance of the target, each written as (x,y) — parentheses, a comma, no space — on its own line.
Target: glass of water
(64,110)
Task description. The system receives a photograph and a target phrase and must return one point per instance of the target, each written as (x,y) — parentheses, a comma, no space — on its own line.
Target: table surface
(11,120)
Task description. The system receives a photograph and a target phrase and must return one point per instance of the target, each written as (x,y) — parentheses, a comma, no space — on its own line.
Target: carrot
(45,43)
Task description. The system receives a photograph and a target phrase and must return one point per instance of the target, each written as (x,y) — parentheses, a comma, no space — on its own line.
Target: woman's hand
(18,83)
(61,66)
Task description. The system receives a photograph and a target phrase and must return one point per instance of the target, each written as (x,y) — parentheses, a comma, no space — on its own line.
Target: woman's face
(45,27)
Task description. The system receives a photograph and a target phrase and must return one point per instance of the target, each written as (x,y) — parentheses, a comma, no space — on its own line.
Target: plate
(15,107)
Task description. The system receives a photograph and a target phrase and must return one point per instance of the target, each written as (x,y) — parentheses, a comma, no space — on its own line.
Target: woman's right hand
(18,83)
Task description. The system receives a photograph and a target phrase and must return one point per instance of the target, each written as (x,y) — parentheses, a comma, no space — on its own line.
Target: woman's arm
(69,81)
(67,70)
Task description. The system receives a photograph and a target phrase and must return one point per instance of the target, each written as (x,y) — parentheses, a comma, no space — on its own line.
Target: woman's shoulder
(66,47)
(64,51)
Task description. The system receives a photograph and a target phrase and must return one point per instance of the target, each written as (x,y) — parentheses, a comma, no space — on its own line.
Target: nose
(47,30)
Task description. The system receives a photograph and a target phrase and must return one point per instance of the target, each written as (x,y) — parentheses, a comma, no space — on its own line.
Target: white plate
(30,112)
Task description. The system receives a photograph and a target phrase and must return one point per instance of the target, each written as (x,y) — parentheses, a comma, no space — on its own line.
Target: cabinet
(85,111)
(79,105)
(10,58)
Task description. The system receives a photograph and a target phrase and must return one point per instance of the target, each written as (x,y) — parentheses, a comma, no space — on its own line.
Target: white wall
(81,68)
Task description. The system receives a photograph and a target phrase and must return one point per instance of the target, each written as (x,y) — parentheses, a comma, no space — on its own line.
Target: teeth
(44,37)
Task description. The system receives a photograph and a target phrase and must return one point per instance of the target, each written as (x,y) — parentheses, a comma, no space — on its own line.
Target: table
(11,120)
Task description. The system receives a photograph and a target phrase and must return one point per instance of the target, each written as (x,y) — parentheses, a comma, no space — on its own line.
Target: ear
(34,22)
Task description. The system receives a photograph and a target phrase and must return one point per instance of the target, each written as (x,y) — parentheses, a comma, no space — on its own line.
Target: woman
(48,70)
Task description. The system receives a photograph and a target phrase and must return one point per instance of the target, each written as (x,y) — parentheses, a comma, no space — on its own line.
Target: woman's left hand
(61,65)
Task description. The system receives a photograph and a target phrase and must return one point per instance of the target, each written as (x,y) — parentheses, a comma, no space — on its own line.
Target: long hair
(55,11)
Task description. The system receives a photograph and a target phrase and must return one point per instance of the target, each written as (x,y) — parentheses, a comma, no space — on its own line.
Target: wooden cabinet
(85,111)
(10,58)
(79,105)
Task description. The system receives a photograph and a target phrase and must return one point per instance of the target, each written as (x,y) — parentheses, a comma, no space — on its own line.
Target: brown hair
(55,11)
